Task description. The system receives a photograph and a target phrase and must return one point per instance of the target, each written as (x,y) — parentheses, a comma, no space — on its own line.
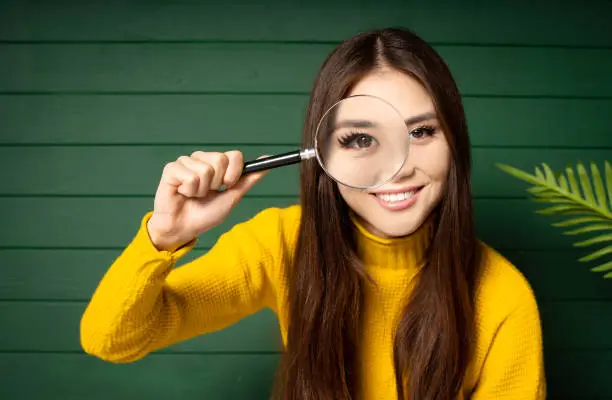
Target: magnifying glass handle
(279,160)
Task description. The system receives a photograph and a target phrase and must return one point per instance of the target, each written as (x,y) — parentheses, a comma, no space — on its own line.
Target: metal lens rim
(316,145)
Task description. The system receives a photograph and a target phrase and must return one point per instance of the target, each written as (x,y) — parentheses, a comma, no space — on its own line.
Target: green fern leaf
(599,253)
(539,174)
(578,221)
(550,192)
(550,175)
(563,183)
(556,200)
(562,209)
(589,228)
(579,195)
(604,267)
(536,190)
(600,191)
(595,240)
(608,275)
(608,173)
(574,189)
(585,183)
(517,173)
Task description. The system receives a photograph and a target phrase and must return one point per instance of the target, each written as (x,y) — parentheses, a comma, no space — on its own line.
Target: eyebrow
(420,118)
(355,123)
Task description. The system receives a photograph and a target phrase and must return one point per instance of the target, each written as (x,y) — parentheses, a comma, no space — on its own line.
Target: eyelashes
(356,139)
(363,140)
(423,131)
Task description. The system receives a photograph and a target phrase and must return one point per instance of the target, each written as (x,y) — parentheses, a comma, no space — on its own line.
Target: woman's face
(401,206)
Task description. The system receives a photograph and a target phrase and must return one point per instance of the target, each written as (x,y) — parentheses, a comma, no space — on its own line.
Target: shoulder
(272,231)
(274,222)
(501,289)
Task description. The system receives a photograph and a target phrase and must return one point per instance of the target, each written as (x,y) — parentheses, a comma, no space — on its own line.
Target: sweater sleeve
(143,303)
(514,366)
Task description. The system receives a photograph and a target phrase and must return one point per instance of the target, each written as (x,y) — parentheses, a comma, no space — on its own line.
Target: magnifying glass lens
(362,142)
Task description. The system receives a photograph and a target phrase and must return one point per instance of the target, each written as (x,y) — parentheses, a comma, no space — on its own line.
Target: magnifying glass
(361,142)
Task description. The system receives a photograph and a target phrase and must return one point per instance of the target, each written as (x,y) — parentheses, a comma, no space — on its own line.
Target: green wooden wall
(96,96)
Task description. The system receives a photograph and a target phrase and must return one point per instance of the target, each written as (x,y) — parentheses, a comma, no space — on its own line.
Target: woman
(379,295)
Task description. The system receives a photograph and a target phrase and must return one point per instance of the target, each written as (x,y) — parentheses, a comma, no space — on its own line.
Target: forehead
(405,93)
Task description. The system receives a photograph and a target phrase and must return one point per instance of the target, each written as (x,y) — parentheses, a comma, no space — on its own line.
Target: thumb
(237,191)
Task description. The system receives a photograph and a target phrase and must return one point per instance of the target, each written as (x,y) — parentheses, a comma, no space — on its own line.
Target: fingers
(234,169)
(184,178)
(218,162)
(237,192)
(196,175)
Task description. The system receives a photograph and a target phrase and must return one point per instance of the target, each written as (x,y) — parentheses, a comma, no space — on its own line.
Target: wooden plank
(558,275)
(126,170)
(257,119)
(251,119)
(285,68)
(76,376)
(578,374)
(59,274)
(136,170)
(506,22)
(570,374)
(490,181)
(565,324)
(111,222)
(23,322)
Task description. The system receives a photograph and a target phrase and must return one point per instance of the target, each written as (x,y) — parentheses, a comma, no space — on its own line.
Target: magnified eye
(357,141)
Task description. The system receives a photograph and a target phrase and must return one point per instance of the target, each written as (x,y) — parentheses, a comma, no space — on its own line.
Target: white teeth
(395,197)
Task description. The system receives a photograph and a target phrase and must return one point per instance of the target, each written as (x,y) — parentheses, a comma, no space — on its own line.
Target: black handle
(279,160)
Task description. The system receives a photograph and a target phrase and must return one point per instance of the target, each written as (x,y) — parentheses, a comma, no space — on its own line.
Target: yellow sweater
(143,303)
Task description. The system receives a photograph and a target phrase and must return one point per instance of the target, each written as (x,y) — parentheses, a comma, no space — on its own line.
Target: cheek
(434,161)
(357,200)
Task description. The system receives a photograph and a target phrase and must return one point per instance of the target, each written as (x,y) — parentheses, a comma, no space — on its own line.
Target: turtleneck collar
(392,253)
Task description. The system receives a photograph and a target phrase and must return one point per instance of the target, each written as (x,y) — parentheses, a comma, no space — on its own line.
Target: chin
(386,222)
(395,229)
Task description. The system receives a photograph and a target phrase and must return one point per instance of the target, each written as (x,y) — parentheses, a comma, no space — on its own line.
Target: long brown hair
(432,345)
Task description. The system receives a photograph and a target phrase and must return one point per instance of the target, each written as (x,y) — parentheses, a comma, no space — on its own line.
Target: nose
(406,171)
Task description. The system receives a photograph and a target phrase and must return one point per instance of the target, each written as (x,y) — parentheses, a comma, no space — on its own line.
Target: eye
(422,132)
(357,141)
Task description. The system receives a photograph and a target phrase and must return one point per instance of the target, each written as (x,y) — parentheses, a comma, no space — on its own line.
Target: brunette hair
(432,344)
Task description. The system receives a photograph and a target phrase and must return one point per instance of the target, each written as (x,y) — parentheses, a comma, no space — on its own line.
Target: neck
(406,252)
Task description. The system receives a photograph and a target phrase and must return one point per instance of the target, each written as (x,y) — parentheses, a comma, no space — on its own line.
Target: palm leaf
(600,191)
(577,221)
(585,183)
(608,173)
(572,181)
(573,192)
(599,253)
(594,240)
(563,183)
(603,267)
(589,228)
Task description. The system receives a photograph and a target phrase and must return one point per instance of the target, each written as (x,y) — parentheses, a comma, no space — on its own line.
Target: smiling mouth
(397,197)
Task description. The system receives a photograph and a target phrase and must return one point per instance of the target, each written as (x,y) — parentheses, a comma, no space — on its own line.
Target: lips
(400,199)
(405,191)
(395,197)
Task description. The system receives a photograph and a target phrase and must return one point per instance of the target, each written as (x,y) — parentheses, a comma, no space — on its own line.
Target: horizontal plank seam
(277,144)
(269,93)
(282,42)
